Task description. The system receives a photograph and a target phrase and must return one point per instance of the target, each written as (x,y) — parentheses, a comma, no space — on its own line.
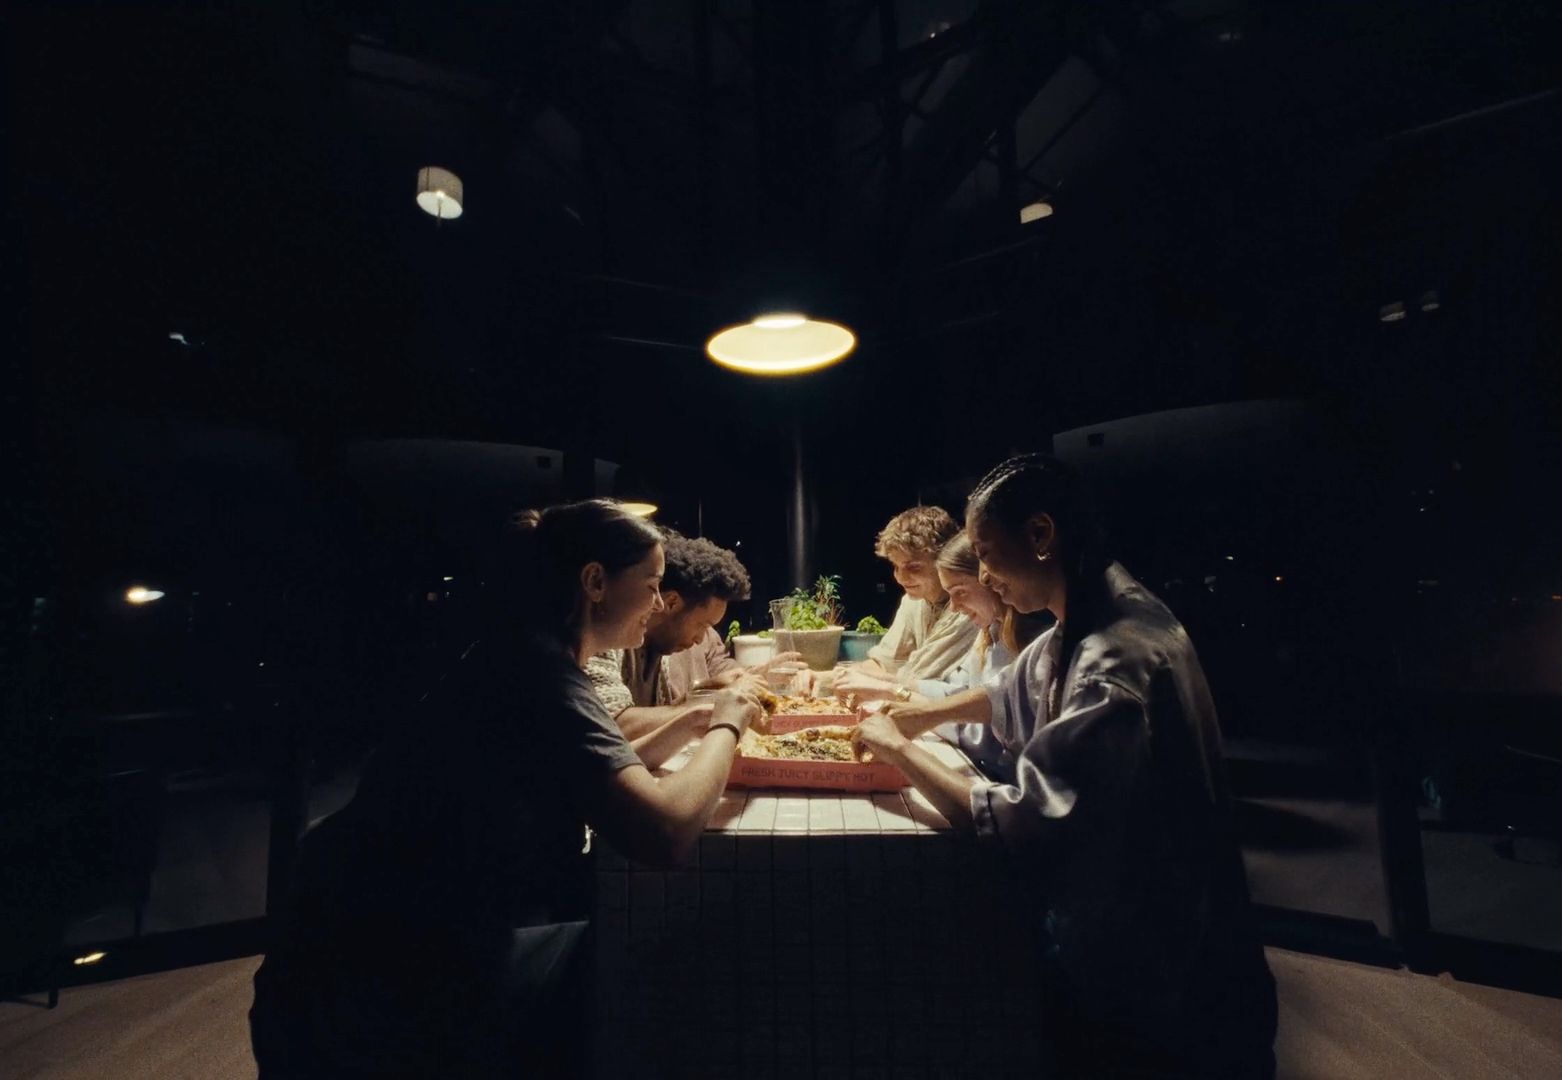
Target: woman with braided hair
(1118,821)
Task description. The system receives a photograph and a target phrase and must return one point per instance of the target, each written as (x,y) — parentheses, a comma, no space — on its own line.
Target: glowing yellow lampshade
(90,958)
(781,343)
(639,509)
(140,594)
(440,192)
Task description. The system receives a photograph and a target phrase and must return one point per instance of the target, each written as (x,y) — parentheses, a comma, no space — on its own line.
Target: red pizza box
(785,723)
(853,776)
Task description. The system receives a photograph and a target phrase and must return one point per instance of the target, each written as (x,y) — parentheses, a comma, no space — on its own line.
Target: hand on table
(736,708)
(750,684)
(698,715)
(905,716)
(877,737)
(776,661)
(860,686)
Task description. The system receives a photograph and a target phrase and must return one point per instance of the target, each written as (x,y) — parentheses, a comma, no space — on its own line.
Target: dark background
(1355,517)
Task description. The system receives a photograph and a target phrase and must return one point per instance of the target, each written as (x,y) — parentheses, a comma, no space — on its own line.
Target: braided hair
(1030,484)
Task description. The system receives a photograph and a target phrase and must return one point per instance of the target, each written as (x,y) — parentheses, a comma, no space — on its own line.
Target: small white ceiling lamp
(781,343)
(140,594)
(1430,300)
(639,509)
(440,192)
(1035,211)
(1394,312)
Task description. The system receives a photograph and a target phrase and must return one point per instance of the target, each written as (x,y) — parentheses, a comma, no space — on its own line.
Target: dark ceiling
(1238,186)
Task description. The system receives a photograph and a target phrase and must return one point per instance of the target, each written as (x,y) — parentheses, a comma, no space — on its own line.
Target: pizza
(810,744)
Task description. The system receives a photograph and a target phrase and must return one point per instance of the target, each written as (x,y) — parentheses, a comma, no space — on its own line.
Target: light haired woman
(1002,633)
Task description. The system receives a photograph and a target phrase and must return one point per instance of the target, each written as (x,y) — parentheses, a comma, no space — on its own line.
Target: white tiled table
(814,934)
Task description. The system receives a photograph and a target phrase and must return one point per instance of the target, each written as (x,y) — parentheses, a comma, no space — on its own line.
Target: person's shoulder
(1134,638)
(951,621)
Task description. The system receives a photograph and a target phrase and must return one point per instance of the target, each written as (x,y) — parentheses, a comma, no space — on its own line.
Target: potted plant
(811,623)
(750,650)
(856,643)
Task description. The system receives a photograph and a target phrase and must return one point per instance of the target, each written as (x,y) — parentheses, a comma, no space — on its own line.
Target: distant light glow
(140,594)
(780,321)
(90,958)
(1394,312)
(639,509)
(447,577)
(174,335)
(1279,577)
(1430,301)
(1035,211)
(781,343)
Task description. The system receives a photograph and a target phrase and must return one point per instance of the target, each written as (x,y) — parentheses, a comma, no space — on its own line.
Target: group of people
(435,919)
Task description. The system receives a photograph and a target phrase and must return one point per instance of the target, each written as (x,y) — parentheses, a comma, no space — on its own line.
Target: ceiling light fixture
(781,343)
(1035,211)
(1394,312)
(1430,300)
(440,193)
(639,509)
(140,594)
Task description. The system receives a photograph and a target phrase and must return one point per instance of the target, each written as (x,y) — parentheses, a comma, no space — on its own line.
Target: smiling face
(915,573)
(624,602)
(683,626)
(1019,565)
(970,597)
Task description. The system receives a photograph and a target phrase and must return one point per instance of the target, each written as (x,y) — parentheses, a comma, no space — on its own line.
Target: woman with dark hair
(429,931)
(1119,819)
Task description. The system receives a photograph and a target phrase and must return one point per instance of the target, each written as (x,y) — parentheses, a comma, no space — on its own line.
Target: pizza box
(850,776)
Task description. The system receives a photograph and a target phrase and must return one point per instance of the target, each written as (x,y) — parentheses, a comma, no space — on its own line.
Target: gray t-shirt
(484,786)
(400,948)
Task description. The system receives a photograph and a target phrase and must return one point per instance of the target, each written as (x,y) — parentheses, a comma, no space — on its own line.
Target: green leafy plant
(869,625)
(816,609)
(734,628)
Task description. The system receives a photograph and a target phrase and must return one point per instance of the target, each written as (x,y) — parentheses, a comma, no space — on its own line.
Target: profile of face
(624,601)
(1019,565)
(683,625)
(970,597)
(916,573)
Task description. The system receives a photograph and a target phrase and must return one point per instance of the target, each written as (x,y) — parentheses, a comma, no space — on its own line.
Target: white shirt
(923,642)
